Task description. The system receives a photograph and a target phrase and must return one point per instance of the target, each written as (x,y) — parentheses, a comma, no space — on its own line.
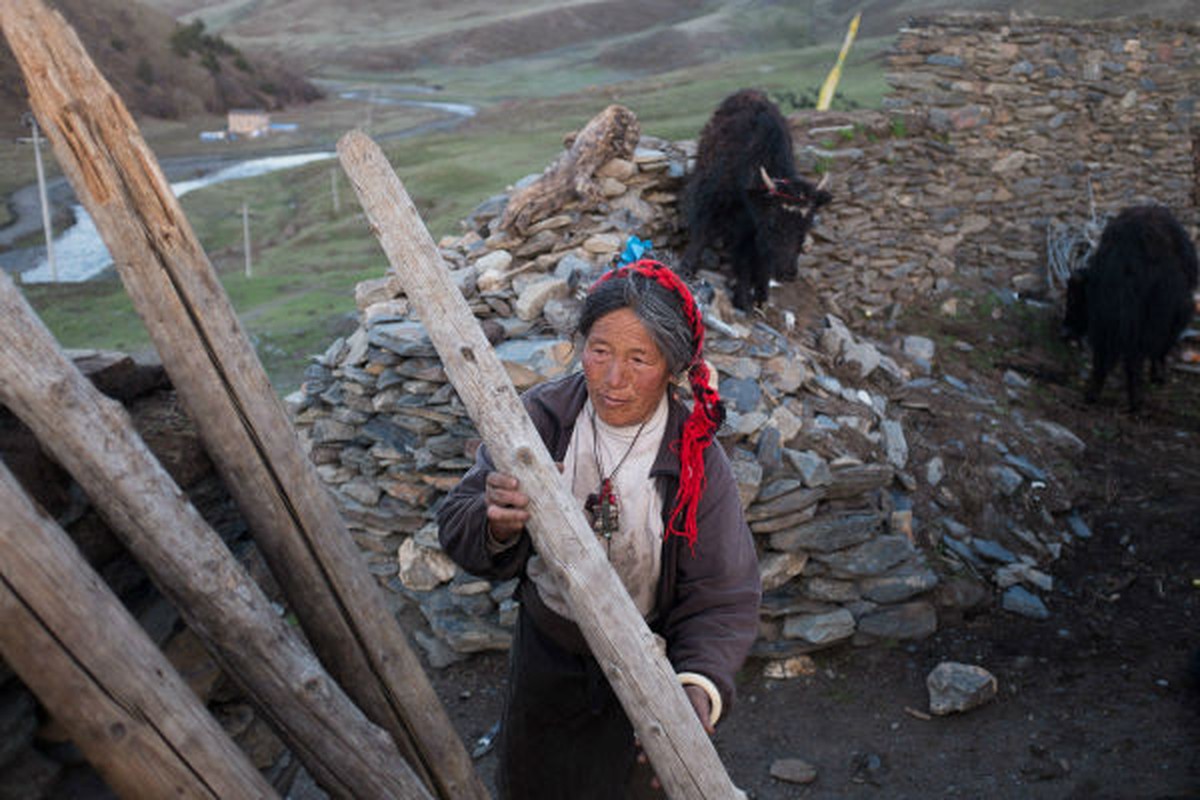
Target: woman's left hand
(702,706)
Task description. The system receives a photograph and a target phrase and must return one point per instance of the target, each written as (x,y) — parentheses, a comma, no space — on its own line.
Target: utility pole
(31,121)
(246,237)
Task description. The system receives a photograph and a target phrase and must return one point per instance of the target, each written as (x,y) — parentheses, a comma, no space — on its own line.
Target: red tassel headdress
(707,410)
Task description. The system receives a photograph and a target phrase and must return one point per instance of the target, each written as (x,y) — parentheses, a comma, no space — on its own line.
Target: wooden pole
(246,237)
(92,666)
(92,437)
(683,756)
(47,228)
(245,428)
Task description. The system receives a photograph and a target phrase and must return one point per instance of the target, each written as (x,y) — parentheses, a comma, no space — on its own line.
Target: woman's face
(626,373)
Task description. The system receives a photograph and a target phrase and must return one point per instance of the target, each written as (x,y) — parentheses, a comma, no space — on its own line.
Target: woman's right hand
(506,506)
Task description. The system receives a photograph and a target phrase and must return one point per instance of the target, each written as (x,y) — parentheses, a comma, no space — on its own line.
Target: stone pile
(934,192)
(815,456)
(36,758)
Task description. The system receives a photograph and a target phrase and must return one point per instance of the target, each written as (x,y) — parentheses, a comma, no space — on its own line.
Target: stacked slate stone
(1044,124)
(816,456)
(998,135)
(885,240)
(981,151)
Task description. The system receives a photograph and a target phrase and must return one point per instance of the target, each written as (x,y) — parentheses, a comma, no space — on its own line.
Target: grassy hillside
(161,69)
(635,35)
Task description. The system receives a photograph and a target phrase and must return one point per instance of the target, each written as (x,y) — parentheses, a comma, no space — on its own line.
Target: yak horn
(767,179)
(821,184)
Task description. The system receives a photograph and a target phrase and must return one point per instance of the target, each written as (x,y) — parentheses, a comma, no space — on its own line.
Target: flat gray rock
(793,770)
(955,687)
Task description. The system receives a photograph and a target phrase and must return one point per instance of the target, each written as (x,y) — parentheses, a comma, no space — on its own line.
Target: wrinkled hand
(506,506)
(702,705)
(703,708)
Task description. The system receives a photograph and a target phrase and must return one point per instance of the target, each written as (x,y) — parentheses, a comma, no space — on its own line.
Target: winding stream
(80,253)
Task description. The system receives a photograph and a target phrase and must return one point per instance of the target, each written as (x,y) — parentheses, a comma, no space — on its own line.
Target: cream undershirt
(635,550)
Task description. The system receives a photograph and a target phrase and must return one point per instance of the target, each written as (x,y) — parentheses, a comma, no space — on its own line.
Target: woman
(664,504)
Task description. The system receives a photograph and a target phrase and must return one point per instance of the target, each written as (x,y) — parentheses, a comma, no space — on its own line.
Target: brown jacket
(707,601)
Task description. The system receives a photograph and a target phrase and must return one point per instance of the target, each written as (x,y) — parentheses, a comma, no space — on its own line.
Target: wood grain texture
(213,366)
(613,133)
(96,671)
(92,437)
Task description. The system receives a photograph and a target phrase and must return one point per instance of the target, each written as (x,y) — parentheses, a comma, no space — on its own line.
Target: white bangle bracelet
(710,689)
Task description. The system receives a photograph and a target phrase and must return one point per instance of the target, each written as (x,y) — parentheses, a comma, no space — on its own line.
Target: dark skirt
(564,734)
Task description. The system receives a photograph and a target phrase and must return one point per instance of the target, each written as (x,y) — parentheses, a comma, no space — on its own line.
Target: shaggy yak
(745,193)
(1134,297)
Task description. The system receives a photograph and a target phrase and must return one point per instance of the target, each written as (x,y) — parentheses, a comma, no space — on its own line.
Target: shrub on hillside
(144,71)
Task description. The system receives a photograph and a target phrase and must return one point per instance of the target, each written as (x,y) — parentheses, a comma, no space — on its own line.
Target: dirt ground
(1100,701)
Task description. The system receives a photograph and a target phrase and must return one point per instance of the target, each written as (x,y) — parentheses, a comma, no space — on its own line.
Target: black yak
(1134,297)
(745,193)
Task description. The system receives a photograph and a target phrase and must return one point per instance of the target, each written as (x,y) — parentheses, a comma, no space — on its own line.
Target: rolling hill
(174,58)
(160,67)
(348,36)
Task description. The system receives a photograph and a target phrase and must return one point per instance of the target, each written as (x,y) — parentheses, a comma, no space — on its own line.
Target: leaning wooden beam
(93,438)
(683,756)
(92,666)
(213,366)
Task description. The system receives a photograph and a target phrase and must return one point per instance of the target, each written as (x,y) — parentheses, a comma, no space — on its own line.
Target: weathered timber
(94,669)
(684,758)
(93,438)
(613,133)
(212,364)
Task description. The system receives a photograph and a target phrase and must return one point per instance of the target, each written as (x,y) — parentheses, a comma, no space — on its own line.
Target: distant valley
(161,69)
(376,35)
(173,58)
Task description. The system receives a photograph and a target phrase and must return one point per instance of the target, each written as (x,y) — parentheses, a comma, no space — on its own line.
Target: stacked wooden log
(36,755)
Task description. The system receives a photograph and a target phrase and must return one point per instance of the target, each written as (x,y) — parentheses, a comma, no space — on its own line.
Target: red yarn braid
(707,411)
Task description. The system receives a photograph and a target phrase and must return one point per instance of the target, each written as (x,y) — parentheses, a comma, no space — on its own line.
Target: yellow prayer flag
(835,74)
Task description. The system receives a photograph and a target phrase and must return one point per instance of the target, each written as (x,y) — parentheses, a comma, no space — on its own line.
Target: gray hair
(657,307)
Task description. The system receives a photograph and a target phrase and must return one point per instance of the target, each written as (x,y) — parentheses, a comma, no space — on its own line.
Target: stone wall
(997,132)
